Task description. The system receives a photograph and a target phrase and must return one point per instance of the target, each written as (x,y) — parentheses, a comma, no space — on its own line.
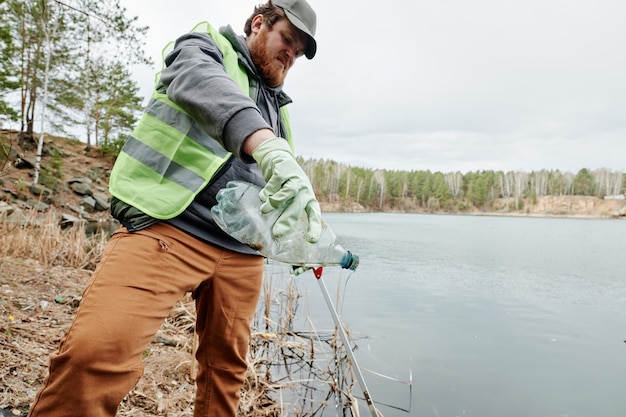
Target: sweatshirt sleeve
(195,78)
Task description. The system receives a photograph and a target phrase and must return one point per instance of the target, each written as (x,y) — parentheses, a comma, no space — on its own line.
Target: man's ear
(257,22)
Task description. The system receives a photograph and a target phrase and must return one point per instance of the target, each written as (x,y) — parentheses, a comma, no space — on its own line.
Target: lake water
(492,316)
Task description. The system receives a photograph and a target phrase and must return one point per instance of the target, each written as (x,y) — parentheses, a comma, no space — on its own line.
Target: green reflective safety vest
(169,159)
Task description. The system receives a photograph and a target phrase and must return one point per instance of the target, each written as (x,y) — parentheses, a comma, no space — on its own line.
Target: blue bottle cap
(350,261)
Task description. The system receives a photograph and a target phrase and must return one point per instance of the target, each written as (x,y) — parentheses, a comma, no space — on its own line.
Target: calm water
(494,316)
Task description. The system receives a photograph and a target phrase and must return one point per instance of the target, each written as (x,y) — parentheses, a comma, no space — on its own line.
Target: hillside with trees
(66,69)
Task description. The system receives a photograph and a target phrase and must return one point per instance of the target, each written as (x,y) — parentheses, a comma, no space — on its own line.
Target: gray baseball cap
(302,16)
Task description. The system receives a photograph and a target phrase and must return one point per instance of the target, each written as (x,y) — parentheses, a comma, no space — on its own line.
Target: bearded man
(217,114)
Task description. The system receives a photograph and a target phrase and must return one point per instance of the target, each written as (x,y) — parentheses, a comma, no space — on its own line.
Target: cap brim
(311,47)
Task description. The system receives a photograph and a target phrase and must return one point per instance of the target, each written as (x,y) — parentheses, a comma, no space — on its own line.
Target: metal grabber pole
(346,343)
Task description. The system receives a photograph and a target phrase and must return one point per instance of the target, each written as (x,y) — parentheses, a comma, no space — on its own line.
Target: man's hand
(287,188)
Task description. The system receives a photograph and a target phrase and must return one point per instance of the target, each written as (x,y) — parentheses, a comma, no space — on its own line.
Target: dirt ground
(36,307)
(37,304)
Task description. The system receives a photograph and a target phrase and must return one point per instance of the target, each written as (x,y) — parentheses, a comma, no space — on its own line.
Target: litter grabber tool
(346,343)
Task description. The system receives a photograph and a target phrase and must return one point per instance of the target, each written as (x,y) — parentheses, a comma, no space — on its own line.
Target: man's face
(275,49)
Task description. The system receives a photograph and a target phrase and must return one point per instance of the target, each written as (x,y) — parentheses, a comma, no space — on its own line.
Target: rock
(41,191)
(107,226)
(22,205)
(39,206)
(22,163)
(15,411)
(50,149)
(10,195)
(5,209)
(621,212)
(17,216)
(102,201)
(81,188)
(98,174)
(83,180)
(92,226)
(67,220)
(88,204)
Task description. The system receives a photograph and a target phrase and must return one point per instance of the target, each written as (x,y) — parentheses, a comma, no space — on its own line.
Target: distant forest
(454,191)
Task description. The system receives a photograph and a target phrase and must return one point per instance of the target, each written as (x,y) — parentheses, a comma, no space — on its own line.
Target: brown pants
(140,278)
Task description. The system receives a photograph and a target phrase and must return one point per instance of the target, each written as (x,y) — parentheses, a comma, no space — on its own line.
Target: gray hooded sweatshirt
(195,78)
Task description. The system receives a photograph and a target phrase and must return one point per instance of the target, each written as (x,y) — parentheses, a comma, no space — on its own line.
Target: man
(217,114)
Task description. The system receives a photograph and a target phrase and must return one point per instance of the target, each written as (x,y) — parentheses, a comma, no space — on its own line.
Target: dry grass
(41,238)
(43,270)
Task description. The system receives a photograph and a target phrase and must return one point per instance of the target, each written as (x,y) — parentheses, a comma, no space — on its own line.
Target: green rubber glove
(287,188)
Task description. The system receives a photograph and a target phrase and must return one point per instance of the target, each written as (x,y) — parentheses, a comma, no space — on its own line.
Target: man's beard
(265,63)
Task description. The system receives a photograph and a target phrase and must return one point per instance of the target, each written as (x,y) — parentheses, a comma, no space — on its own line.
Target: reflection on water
(494,316)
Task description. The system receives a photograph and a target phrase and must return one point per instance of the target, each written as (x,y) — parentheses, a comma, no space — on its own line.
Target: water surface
(493,316)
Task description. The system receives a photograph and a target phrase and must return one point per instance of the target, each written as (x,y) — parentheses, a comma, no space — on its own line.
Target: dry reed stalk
(305,371)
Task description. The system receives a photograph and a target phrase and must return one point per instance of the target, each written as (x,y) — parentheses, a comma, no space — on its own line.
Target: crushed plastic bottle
(238,213)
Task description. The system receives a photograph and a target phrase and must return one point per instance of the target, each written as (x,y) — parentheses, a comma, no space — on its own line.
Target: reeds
(291,372)
(38,236)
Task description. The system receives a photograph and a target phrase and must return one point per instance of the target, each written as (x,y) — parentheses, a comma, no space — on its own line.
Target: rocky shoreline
(548,206)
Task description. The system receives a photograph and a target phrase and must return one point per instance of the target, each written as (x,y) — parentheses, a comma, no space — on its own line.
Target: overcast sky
(444,85)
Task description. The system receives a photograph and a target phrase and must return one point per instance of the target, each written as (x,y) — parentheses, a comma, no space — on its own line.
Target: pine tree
(9,74)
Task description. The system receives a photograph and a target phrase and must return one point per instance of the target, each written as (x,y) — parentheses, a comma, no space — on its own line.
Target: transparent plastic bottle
(238,214)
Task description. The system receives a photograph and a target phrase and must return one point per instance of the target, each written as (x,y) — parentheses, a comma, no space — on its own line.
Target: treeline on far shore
(356,188)
(379,190)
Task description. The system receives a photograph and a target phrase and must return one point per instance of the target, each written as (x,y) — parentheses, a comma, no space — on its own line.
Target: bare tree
(379,177)
(455,183)
(49,32)
(520,186)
